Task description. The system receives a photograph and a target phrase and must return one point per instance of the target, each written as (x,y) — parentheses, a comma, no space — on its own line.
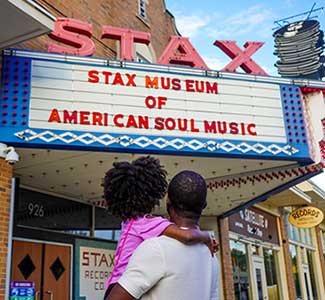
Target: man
(163,268)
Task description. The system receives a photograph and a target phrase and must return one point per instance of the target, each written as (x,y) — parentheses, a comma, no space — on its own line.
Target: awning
(21,20)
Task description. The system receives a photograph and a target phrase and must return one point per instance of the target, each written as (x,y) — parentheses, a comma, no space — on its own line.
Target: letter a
(180,51)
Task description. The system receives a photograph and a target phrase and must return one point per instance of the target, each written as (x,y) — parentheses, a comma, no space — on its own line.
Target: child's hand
(213,245)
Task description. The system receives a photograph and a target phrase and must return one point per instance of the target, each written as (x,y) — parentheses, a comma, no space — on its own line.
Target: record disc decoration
(299,47)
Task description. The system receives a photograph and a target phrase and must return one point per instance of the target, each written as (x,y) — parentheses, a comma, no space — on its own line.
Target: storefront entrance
(47,265)
(260,279)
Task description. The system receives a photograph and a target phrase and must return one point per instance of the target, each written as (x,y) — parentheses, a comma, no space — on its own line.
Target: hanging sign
(306,217)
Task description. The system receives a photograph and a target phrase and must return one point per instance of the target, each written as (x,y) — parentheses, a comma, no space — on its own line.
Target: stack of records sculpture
(299,46)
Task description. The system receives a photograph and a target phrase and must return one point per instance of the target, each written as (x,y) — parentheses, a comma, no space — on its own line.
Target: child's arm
(187,236)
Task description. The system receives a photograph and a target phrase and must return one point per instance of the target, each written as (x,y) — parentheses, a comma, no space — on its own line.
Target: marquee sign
(306,217)
(56,101)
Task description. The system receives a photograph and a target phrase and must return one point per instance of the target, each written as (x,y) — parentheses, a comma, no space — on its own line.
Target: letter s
(74,33)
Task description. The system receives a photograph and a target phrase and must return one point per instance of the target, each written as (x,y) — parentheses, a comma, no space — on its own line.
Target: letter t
(127,39)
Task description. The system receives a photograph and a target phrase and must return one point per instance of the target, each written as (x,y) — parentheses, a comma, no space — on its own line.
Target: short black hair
(187,193)
(133,189)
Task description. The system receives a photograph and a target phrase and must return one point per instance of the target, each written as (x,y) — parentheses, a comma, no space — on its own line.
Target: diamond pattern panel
(160,143)
(26,266)
(57,269)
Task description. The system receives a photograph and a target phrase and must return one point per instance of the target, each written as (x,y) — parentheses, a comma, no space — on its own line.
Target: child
(131,191)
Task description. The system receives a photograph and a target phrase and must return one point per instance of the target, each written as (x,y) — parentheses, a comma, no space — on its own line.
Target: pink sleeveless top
(133,233)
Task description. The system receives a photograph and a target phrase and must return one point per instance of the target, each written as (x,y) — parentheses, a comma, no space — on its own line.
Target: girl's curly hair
(132,190)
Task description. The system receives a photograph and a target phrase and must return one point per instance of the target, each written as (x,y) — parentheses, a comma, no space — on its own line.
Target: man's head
(187,193)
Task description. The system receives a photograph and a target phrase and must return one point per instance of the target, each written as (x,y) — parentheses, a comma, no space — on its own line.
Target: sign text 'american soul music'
(158,102)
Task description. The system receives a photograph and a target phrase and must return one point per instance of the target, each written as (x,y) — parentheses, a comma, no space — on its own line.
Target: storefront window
(270,272)
(293,252)
(312,273)
(240,270)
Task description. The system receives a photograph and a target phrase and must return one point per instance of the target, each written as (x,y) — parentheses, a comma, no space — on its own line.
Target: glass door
(307,282)
(260,278)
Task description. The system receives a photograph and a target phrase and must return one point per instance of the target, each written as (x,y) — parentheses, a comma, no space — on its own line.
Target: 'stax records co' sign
(60,103)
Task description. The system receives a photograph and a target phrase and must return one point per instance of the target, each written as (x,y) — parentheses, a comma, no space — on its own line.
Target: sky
(241,20)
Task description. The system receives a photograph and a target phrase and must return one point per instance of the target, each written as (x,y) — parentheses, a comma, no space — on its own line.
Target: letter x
(241,58)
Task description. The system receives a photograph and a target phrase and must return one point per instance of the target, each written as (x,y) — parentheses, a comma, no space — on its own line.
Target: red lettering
(93,76)
(150,102)
(182,127)
(161,101)
(70,118)
(97,119)
(143,122)
(180,51)
(189,85)
(54,116)
(127,39)
(130,79)
(95,255)
(251,129)
(170,124)
(107,75)
(242,125)
(131,122)
(74,33)
(176,83)
(152,83)
(159,123)
(116,120)
(211,88)
(85,259)
(199,86)
(165,83)
(103,260)
(118,79)
(222,127)
(84,115)
(234,128)
(193,129)
(210,127)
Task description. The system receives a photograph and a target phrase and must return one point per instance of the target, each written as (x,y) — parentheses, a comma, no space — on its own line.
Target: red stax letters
(180,51)
(127,39)
(241,58)
(74,33)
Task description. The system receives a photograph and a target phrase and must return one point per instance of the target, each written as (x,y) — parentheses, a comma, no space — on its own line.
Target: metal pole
(10,230)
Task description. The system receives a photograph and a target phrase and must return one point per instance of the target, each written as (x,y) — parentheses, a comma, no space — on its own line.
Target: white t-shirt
(163,268)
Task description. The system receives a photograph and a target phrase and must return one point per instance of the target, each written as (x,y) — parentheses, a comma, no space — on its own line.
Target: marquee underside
(232,183)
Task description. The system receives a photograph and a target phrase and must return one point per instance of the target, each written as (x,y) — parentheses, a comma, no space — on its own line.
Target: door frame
(258,262)
(57,244)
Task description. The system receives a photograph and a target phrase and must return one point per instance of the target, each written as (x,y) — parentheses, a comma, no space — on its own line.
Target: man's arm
(145,268)
(119,293)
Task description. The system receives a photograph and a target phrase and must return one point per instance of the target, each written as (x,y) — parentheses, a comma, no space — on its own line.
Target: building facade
(55,230)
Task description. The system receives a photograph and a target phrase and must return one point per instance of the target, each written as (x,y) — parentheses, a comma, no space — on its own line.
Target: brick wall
(287,259)
(226,266)
(114,13)
(5,190)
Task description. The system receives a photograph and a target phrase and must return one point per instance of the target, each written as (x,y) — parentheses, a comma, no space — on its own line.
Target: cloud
(253,19)
(190,26)
(214,63)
